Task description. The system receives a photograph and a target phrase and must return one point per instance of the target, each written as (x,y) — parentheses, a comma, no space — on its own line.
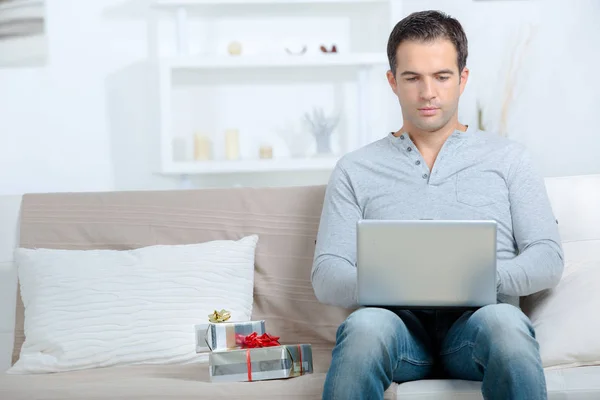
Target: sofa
(286,220)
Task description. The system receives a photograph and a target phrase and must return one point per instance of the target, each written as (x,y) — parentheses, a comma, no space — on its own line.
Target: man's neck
(431,142)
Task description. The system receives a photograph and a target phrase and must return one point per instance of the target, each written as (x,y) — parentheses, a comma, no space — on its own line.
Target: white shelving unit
(187,3)
(273,61)
(250,166)
(360,63)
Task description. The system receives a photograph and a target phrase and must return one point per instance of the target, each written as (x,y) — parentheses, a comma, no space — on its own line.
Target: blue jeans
(494,344)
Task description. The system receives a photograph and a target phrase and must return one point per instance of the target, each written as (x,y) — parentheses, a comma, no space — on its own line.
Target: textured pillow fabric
(567,318)
(99,308)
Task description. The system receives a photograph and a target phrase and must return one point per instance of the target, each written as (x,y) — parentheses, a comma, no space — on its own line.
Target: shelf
(192,3)
(199,68)
(136,9)
(275,61)
(250,166)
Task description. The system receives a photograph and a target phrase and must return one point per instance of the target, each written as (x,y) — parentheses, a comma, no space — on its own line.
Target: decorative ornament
(322,127)
(219,316)
(296,52)
(325,50)
(235,48)
(253,341)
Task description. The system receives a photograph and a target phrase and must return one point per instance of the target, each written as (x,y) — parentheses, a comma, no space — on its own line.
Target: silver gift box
(222,335)
(278,362)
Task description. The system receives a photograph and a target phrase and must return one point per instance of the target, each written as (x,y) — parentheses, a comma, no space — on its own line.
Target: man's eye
(411,79)
(443,78)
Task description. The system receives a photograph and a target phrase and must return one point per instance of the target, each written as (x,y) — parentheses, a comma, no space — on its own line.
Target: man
(435,167)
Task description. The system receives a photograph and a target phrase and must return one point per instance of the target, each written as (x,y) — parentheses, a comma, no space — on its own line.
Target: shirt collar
(404,139)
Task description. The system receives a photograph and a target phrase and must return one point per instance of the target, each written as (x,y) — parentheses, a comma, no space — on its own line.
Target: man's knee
(370,328)
(507,331)
(501,319)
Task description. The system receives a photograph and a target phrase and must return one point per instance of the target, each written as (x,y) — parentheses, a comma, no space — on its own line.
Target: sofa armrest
(9,219)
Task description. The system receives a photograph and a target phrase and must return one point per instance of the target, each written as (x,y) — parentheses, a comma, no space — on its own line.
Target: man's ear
(464,77)
(391,80)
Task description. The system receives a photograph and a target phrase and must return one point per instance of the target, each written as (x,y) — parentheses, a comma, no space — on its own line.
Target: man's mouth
(428,111)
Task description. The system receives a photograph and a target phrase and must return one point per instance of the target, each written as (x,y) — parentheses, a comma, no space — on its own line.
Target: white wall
(556,111)
(56,131)
(554,105)
(53,130)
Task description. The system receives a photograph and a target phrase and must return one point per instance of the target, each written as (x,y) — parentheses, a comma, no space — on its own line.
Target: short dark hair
(426,26)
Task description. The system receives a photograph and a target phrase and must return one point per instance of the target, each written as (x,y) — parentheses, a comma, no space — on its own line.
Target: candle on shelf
(266,152)
(232,144)
(202,147)
(235,48)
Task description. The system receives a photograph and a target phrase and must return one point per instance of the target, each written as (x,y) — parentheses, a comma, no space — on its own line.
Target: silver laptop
(429,264)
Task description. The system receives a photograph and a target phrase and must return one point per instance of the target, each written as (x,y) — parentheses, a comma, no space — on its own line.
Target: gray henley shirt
(477,175)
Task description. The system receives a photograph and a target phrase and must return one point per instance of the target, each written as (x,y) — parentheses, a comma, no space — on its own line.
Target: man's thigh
(464,348)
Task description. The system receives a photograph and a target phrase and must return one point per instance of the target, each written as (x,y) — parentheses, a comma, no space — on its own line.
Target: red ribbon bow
(253,340)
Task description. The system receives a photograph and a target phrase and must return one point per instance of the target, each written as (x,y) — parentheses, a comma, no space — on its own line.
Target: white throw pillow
(100,308)
(567,318)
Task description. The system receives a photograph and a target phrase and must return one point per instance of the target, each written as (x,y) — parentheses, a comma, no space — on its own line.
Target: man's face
(428,83)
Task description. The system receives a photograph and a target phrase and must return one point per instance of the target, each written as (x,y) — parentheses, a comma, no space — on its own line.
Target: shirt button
(409,149)
(425,176)
(417,162)
(402,137)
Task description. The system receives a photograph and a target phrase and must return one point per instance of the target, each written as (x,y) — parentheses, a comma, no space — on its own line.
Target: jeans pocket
(416,362)
(460,362)
(411,370)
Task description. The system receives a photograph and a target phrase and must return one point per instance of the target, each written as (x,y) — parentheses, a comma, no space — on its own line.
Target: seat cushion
(192,382)
(153,382)
(181,382)
(565,384)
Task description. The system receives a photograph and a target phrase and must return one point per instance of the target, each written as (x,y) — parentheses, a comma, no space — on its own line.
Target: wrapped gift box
(225,335)
(277,362)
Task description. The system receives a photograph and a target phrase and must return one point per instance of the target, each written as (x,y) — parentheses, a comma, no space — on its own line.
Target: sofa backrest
(576,205)
(286,220)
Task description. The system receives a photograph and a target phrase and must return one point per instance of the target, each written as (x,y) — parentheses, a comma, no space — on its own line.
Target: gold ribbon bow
(219,316)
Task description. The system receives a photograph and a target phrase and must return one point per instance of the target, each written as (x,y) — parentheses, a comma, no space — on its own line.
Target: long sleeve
(539,264)
(334,273)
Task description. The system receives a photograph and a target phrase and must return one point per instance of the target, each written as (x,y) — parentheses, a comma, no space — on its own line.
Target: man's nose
(427,91)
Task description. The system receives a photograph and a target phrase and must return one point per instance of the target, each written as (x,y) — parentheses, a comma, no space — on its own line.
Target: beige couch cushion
(164,382)
(286,220)
(161,382)
(176,382)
